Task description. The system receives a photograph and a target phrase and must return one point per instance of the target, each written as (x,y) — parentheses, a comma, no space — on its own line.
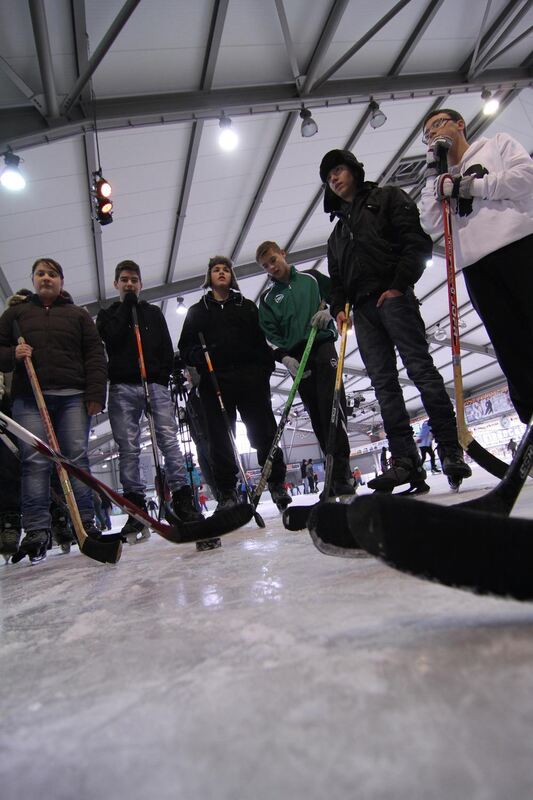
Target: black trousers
(247,390)
(500,286)
(427,450)
(398,322)
(316,392)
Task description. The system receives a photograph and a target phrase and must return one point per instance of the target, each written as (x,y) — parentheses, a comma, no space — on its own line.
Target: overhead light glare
(181,308)
(491,104)
(377,118)
(429,262)
(309,126)
(228,138)
(11,178)
(103,188)
(439,334)
(101,192)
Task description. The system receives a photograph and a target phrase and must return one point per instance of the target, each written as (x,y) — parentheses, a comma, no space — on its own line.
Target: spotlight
(429,262)
(11,178)
(378,118)
(309,126)
(491,104)
(181,308)
(93,435)
(228,139)
(101,192)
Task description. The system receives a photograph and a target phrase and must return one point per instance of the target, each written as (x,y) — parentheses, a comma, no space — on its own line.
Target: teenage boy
(490,186)
(287,312)
(126,395)
(243,364)
(376,253)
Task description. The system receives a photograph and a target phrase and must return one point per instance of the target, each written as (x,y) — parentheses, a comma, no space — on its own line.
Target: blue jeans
(398,323)
(71,424)
(126,406)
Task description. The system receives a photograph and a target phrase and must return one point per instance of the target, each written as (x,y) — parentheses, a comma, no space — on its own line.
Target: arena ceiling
(142,84)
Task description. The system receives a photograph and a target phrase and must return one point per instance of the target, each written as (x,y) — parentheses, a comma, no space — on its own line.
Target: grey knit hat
(220,260)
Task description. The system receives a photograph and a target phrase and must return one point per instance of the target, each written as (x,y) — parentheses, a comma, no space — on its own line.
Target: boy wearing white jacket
(489,184)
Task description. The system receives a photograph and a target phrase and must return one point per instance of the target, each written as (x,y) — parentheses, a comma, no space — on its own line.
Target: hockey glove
(130,299)
(321,319)
(446,187)
(292,365)
(436,161)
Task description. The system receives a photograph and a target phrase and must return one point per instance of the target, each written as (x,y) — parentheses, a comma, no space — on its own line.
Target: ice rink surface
(261,670)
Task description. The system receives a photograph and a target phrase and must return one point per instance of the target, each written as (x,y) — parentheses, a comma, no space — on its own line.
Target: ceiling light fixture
(429,262)
(491,104)
(181,308)
(377,118)
(228,138)
(11,178)
(309,126)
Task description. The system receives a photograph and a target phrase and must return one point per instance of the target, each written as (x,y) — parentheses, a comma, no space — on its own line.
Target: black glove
(130,299)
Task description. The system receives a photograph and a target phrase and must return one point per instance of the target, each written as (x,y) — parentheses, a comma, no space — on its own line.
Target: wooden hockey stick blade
(456,546)
(217,525)
(477,453)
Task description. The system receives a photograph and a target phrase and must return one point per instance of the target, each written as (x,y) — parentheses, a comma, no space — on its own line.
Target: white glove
(434,155)
(446,187)
(321,319)
(292,365)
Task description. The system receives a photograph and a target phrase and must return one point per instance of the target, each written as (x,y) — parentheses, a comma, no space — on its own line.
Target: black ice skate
(453,466)
(183,506)
(403,469)
(134,531)
(279,495)
(34,545)
(10,533)
(208,544)
(61,528)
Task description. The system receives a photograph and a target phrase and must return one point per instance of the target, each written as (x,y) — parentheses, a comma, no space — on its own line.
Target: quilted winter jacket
(67,351)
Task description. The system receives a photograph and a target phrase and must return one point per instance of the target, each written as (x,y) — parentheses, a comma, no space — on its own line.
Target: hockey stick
(160,480)
(267,466)
(472,545)
(296,517)
(217,525)
(106,552)
(475,450)
(257,517)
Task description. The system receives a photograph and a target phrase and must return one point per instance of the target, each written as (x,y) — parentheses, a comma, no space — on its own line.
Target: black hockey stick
(474,449)
(296,517)
(472,545)
(257,517)
(217,525)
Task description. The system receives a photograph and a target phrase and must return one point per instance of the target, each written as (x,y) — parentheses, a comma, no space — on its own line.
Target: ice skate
(61,529)
(134,531)
(403,469)
(208,544)
(10,533)
(279,495)
(453,466)
(183,505)
(34,545)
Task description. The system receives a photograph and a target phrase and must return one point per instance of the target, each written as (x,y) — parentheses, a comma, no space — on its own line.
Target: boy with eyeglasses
(489,185)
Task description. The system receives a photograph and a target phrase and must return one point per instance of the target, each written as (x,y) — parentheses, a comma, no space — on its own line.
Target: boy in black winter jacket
(376,253)
(243,364)
(126,395)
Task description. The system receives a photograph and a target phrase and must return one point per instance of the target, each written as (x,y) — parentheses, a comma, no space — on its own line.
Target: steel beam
(415,36)
(289,44)
(328,32)
(44,55)
(25,127)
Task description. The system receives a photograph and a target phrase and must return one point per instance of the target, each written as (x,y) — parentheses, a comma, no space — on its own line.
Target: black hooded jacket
(232,333)
(116,329)
(377,243)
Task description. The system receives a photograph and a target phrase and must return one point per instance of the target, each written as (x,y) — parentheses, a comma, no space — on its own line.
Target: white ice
(263,670)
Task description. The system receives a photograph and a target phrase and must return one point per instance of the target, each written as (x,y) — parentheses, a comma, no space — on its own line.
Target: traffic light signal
(102,203)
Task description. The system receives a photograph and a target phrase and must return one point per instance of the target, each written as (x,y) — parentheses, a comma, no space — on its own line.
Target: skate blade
(208,544)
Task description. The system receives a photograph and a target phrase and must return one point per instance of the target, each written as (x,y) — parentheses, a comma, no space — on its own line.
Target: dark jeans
(247,390)
(501,290)
(398,322)
(316,392)
(427,450)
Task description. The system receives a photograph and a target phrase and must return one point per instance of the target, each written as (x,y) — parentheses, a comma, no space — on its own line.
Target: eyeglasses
(435,125)
(333,173)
